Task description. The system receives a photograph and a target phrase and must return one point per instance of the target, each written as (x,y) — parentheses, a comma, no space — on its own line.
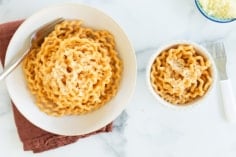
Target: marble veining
(116,142)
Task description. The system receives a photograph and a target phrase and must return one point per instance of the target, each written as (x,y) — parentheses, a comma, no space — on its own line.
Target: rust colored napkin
(32,137)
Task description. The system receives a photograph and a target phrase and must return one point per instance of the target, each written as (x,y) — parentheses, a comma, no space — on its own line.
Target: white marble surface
(146,128)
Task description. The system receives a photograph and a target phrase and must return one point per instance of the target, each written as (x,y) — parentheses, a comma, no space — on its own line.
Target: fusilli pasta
(76,70)
(180,74)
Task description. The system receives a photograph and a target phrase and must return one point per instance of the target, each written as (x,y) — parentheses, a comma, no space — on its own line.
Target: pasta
(180,74)
(76,70)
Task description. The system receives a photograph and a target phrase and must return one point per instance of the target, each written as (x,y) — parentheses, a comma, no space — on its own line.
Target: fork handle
(17,59)
(9,68)
(228,100)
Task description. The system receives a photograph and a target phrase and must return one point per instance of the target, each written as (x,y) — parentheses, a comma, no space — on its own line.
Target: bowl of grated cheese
(221,11)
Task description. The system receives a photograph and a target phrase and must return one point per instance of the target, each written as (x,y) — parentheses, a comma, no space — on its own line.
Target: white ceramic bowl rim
(167,46)
(72,125)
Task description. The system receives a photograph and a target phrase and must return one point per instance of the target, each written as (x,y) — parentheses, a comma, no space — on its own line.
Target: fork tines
(218,53)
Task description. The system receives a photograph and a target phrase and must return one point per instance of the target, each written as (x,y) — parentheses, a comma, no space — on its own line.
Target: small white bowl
(201,50)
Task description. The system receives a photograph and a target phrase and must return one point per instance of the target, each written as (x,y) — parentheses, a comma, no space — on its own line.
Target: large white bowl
(72,125)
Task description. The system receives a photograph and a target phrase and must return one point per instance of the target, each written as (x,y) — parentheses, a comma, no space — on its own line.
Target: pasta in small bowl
(181,74)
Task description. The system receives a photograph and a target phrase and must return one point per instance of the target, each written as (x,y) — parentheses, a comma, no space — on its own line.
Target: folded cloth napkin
(32,137)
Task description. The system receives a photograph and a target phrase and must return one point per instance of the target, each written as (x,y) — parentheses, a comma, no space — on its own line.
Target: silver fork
(218,53)
(36,37)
